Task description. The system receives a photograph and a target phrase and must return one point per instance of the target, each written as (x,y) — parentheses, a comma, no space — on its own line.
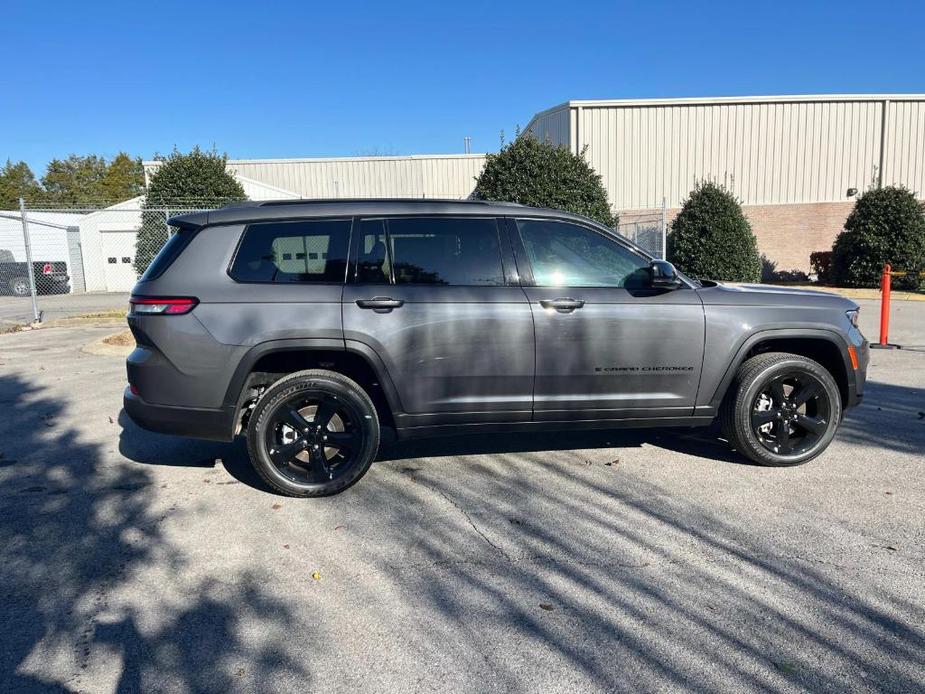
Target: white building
(791,159)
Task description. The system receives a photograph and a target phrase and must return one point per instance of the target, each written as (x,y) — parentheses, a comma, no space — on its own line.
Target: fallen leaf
(208,481)
(276,507)
(546,606)
(285,546)
(316,575)
(888,493)
(340,527)
(111,420)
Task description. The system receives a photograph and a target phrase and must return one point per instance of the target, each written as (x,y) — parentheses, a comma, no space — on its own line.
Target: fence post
(31,270)
(664,228)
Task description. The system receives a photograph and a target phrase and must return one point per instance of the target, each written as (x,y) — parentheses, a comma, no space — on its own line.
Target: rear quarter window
(169,252)
(307,251)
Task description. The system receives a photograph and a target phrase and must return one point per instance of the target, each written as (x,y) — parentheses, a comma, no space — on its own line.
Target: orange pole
(885,305)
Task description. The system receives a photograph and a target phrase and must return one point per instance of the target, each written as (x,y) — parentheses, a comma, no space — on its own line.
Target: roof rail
(329,201)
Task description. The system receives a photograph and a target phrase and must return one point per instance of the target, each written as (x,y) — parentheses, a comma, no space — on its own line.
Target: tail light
(46,269)
(161,305)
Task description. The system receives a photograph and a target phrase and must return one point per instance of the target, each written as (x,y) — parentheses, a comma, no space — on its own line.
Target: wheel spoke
(777,391)
(813,425)
(285,452)
(326,409)
(783,438)
(291,416)
(762,417)
(343,440)
(807,392)
(317,457)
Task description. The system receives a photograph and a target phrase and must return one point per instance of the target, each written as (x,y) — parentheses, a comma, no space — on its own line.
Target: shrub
(887,225)
(540,174)
(821,264)
(711,238)
(197,180)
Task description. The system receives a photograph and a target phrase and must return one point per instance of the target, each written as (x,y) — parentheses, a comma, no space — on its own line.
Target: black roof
(290,209)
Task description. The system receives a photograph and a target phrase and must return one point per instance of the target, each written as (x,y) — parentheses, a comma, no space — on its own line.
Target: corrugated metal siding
(450,176)
(767,152)
(904,162)
(552,126)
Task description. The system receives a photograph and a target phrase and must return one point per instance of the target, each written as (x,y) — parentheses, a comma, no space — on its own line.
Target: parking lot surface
(17,310)
(566,561)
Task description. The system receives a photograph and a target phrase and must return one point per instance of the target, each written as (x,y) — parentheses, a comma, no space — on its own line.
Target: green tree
(540,174)
(75,180)
(124,179)
(712,239)
(17,181)
(887,225)
(197,180)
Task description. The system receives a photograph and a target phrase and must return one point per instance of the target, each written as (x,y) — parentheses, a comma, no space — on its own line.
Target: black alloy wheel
(791,413)
(313,433)
(312,439)
(782,409)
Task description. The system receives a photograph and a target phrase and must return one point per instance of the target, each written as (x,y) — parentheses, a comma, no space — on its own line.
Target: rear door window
(309,251)
(456,251)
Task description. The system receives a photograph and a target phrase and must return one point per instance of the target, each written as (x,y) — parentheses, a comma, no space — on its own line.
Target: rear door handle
(380,303)
(562,304)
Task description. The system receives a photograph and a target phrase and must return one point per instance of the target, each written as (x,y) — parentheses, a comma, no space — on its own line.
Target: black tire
(19,286)
(767,423)
(327,457)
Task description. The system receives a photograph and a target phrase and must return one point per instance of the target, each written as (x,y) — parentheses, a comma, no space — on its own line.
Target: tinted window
(373,265)
(445,250)
(568,255)
(169,252)
(309,251)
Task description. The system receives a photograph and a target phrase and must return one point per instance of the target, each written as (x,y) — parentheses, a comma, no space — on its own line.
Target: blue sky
(304,79)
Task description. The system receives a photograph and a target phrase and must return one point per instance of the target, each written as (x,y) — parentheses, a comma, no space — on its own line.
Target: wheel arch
(266,362)
(827,347)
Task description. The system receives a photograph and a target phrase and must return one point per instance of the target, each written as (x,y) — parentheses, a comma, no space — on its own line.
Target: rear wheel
(20,286)
(313,433)
(782,409)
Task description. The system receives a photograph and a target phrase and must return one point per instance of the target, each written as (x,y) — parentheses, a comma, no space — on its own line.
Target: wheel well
(271,367)
(825,352)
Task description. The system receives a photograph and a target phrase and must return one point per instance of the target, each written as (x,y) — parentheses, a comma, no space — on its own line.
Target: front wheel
(782,409)
(313,433)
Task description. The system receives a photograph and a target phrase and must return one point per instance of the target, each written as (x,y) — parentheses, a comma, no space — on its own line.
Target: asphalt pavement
(561,562)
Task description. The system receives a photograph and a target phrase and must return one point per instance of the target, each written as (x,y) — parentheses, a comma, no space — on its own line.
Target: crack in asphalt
(468,518)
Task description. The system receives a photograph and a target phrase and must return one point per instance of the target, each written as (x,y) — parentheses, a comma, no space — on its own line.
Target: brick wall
(786,234)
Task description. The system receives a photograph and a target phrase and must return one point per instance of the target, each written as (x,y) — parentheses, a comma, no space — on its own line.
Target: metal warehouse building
(790,159)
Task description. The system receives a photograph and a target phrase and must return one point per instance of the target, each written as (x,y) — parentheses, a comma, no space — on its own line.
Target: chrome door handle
(562,304)
(380,303)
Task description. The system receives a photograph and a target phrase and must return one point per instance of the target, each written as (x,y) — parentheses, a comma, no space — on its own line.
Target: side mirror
(663,275)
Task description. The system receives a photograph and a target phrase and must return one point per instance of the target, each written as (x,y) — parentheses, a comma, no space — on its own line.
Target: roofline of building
(704,100)
(322,160)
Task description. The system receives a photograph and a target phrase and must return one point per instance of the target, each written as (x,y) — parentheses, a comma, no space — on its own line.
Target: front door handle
(564,304)
(380,303)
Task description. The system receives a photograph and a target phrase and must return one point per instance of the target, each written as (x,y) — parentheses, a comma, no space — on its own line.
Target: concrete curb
(102,349)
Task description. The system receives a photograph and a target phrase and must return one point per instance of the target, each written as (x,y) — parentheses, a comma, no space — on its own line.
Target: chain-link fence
(80,259)
(647,228)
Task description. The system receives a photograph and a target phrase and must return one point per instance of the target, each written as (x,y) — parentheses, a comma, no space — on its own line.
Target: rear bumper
(214,425)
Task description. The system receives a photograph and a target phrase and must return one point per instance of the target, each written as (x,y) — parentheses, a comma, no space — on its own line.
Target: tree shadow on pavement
(80,534)
(487,562)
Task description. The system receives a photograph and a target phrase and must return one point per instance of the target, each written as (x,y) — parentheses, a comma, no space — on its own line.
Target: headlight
(853,316)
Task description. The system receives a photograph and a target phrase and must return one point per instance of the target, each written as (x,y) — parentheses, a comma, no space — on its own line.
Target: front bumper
(211,424)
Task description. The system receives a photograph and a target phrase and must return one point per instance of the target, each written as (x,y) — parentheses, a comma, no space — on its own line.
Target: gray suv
(312,326)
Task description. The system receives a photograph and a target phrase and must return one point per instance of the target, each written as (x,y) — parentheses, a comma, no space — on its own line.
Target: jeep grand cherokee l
(308,326)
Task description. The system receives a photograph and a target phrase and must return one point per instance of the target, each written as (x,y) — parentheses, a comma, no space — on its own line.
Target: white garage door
(118,254)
